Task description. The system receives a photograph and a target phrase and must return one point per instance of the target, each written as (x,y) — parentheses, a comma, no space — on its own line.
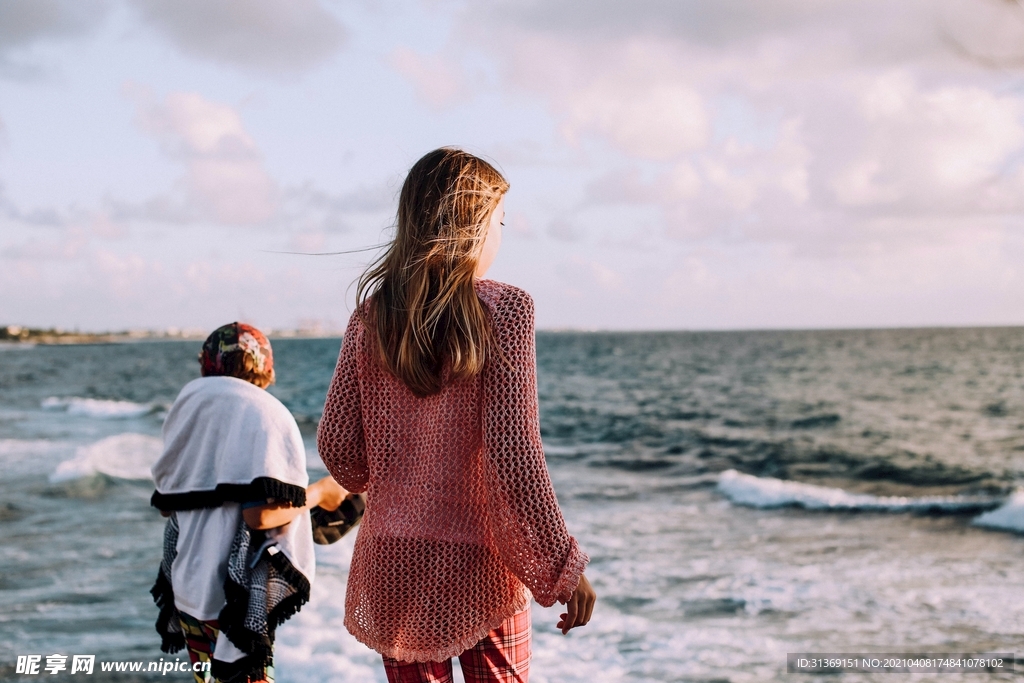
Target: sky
(674,164)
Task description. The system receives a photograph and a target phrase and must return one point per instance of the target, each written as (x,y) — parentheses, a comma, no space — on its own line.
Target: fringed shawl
(263,589)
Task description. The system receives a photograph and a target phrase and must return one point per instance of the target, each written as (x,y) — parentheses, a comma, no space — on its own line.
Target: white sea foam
(767,492)
(97,408)
(125,456)
(1009,517)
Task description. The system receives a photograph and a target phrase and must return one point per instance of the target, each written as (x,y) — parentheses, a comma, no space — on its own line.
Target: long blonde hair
(418,297)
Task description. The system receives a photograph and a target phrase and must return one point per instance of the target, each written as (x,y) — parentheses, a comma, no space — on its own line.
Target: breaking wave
(767,492)
(124,456)
(97,408)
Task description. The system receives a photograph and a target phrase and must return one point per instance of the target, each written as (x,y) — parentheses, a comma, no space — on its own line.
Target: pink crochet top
(461,518)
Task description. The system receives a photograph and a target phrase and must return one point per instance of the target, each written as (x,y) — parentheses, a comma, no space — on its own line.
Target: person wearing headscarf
(238,545)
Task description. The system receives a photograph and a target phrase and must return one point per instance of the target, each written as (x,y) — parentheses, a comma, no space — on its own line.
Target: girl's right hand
(326,493)
(580,606)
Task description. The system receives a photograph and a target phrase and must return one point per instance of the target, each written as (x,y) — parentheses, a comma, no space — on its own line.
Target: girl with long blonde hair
(433,412)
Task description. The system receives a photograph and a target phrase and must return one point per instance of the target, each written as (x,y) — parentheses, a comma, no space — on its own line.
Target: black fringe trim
(285,609)
(163,596)
(260,647)
(261,488)
(232,623)
(244,670)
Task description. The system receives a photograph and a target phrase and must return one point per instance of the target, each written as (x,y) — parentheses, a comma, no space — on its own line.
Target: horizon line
(14,333)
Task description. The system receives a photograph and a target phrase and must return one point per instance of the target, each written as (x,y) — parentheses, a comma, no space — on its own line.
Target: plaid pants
(201,637)
(503,656)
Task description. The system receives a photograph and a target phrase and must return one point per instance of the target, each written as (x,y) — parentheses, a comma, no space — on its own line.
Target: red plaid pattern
(503,656)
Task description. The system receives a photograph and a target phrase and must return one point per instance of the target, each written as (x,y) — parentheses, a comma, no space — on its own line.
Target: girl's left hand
(580,606)
(326,493)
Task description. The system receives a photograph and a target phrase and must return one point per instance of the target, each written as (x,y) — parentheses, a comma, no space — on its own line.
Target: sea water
(742,495)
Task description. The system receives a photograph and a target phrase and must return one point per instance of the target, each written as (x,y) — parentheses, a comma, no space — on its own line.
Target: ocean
(742,495)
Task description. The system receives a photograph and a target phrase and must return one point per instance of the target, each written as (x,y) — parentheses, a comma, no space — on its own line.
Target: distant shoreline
(16,334)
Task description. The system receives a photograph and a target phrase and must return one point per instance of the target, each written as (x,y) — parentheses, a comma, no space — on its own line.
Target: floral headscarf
(234,338)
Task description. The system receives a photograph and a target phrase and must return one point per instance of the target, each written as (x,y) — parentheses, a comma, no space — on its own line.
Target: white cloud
(636,96)
(224,183)
(659,122)
(743,174)
(932,150)
(852,114)
(270,36)
(224,169)
(709,191)
(439,81)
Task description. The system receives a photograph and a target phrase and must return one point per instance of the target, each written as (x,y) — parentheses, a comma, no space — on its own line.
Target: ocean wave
(767,492)
(124,456)
(1008,517)
(97,408)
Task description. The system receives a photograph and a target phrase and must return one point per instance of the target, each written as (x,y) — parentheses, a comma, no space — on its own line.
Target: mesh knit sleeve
(339,437)
(524,519)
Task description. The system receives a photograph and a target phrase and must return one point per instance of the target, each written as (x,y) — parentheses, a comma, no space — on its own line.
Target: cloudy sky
(675,164)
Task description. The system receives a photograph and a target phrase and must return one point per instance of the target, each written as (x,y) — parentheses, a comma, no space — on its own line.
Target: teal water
(701,576)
